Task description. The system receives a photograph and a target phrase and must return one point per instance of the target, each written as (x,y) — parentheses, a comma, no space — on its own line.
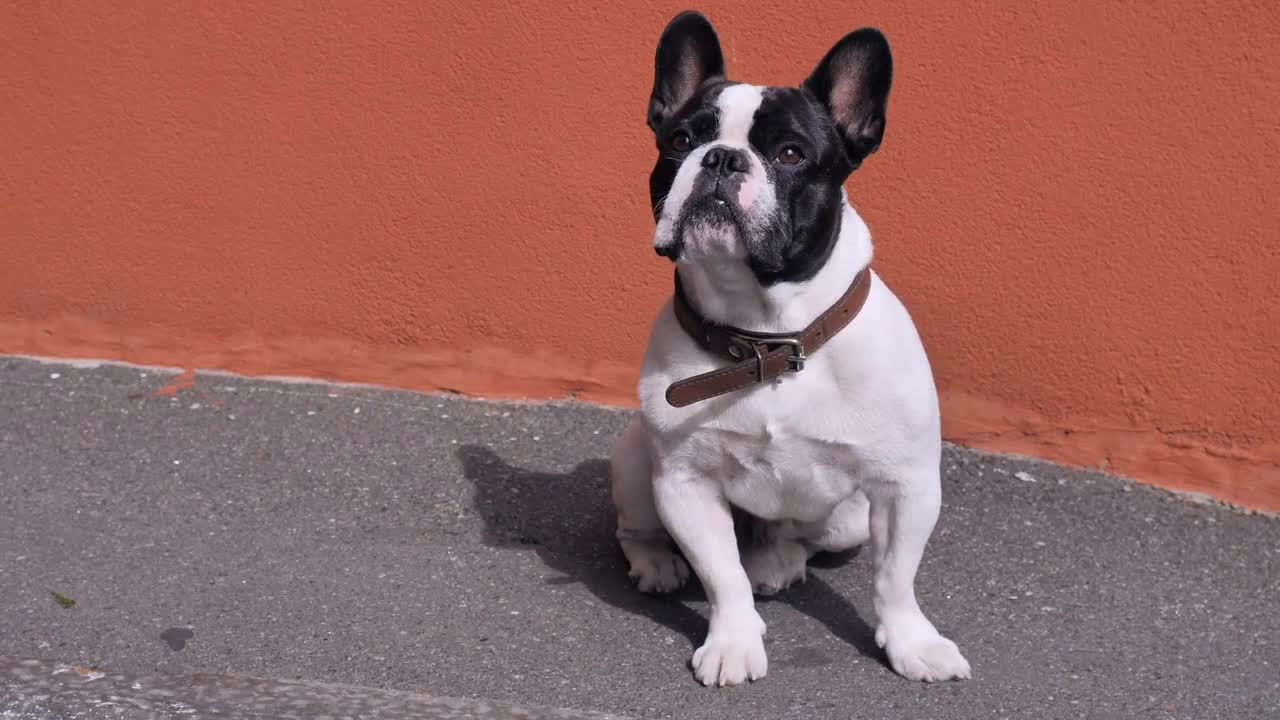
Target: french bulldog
(843,449)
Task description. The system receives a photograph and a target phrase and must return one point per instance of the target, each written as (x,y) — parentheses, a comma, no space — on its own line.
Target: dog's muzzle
(670,250)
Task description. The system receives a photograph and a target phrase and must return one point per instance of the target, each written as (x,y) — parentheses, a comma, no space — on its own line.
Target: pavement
(170,537)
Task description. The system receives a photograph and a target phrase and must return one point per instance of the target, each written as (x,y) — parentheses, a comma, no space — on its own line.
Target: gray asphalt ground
(459,548)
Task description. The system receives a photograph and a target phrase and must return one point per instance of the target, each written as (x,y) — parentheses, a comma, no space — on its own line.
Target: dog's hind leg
(848,526)
(773,553)
(655,565)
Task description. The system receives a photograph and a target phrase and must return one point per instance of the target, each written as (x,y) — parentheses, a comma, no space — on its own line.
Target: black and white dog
(749,201)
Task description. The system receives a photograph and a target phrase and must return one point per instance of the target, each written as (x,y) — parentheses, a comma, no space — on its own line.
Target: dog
(827,450)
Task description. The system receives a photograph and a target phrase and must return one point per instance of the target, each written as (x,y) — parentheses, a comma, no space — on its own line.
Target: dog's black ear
(853,82)
(688,57)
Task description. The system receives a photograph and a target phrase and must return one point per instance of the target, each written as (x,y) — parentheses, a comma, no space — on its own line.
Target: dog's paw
(733,653)
(656,569)
(920,653)
(774,567)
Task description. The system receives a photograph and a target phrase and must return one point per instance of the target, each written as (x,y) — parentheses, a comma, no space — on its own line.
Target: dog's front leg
(697,515)
(903,513)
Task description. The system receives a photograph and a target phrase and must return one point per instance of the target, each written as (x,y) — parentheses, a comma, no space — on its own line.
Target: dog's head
(755,173)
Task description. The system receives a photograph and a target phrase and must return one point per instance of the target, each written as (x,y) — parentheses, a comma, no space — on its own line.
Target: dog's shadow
(567,519)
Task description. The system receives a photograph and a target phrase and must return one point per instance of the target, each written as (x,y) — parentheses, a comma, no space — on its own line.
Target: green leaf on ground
(62,600)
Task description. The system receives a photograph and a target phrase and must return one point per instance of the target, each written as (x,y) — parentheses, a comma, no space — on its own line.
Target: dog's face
(754,174)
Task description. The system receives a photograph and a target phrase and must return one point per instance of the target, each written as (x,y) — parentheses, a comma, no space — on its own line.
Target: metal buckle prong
(759,363)
(760,346)
(797,353)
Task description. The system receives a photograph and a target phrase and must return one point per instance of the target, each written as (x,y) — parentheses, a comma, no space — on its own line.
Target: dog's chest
(775,470)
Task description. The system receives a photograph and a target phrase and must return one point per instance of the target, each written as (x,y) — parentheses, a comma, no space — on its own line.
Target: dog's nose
(726,160)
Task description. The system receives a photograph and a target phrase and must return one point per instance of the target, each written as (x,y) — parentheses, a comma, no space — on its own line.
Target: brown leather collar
(758,357)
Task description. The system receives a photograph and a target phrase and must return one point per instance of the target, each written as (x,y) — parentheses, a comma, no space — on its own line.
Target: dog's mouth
(713,211)
(707,226)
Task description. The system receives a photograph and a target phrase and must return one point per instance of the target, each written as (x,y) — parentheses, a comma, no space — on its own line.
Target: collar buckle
(742,345)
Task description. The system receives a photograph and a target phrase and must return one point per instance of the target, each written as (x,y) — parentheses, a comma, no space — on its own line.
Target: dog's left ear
(853,82)
(688,57)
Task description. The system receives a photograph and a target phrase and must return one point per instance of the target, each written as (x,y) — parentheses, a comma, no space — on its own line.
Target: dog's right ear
(853,82)
(688,57)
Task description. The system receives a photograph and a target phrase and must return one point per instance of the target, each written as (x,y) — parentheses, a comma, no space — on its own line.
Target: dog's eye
(790,155)
(680,142)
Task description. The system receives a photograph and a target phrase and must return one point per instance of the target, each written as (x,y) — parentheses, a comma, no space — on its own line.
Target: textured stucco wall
(1077,202)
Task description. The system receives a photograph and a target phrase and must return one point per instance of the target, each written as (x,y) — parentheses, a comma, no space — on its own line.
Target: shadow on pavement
(546,512)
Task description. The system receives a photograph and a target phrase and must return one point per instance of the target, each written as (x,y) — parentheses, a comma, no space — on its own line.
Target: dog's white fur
(845,451)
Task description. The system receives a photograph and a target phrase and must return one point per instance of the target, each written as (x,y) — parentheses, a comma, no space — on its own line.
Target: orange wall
(1077,202)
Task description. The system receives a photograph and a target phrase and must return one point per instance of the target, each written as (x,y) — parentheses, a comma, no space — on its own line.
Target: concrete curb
(32,689)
